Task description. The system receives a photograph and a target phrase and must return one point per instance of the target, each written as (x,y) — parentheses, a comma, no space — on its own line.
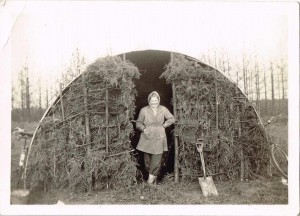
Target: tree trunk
(282,83)
(257,87)
(176,151)
(21,79)
(250,88)
(228,67)
(12,97)
(40,98)
(86,114)
(272,89)
(47,96)
(237,73)
(245,76)
(27,96)
(283,87)
(266,95)
(279,91)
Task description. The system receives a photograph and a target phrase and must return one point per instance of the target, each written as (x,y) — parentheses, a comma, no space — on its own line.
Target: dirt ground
(259,191)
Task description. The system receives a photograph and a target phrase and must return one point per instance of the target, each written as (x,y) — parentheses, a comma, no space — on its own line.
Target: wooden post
(176,153)
(217,119)
(242,174)
(106,119)
(86,114)
(61,102)
(87,123)
(54,165)
(242,166)
(198,113)
(118,122)
(63,118)
(217,102)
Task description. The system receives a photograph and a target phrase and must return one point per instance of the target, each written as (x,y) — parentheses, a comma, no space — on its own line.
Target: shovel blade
(207,186)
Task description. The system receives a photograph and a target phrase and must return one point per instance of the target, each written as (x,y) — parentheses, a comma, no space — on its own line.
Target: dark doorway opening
(151,64)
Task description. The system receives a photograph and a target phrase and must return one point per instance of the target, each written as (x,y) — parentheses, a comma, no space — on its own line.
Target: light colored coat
(153,140)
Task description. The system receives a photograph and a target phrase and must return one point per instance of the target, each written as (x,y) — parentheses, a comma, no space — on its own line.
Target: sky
(43,34)
(46,33)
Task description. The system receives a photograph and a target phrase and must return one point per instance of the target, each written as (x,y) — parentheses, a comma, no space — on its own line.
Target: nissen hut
(87,137)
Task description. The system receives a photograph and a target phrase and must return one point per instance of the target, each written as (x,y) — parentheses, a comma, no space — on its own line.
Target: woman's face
(154,102)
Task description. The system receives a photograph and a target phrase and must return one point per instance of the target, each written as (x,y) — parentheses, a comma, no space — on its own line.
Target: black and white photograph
(149,107)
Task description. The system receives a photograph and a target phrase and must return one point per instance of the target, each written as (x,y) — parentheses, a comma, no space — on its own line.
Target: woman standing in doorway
(152,121)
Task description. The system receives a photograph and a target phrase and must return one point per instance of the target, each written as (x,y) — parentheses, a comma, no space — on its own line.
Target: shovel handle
(203,164)
(199,146)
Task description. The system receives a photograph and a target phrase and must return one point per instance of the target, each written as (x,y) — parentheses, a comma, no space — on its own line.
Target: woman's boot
(151,179)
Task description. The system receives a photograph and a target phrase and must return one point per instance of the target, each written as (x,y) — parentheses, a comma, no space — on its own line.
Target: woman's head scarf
(153,94)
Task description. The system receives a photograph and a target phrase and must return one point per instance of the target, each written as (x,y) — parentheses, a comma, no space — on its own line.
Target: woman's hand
(145,131)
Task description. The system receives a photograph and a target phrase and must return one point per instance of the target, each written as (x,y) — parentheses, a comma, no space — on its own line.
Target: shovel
(206,183)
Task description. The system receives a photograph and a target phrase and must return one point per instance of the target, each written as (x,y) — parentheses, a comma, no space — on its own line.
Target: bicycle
(21,134)
(279,157)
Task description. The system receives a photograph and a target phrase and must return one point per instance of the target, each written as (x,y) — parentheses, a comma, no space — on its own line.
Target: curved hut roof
(93,112)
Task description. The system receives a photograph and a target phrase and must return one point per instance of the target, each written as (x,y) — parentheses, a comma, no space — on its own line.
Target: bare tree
(245,64)
(215,59)
(282,72)
(278,91)
(203,58)
(224,62)
(283,82)
(257,85)
(272,88)
(22,93)
(266,91)
(47,95)
(12,96)
(76,67)
(220,61)
(51,90)
(27,93)
(228,65)
(237,68)
(207,58)
(40,95)
(249,82)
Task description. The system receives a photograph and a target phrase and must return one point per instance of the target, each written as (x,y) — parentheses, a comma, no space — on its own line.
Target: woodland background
(264,83)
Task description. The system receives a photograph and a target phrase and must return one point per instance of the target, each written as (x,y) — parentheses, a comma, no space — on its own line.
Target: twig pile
(85,136)
(209,105)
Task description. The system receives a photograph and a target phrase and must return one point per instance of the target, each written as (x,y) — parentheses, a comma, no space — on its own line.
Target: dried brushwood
(67,153)
(198,92)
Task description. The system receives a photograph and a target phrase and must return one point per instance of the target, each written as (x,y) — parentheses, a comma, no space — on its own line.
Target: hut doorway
(151,65)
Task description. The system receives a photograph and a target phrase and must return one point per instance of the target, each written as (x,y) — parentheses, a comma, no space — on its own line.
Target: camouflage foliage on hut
(87,134)
(84,136)
(208,105)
